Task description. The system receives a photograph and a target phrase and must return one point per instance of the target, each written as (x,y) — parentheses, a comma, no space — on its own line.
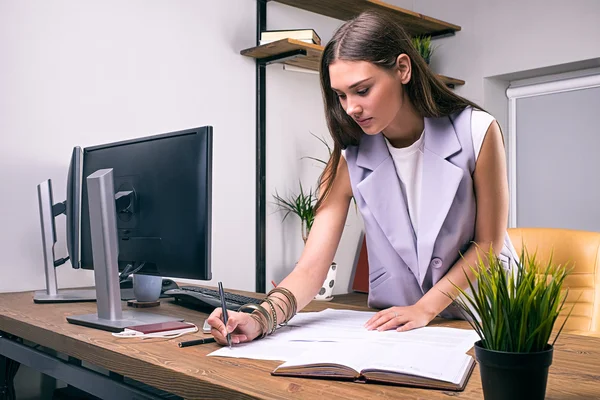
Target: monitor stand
(103,227)
(48,211)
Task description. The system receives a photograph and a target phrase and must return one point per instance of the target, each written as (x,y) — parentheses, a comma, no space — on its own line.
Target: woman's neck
(406,128)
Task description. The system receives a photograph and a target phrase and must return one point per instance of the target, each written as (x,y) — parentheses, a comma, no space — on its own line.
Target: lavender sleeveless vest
(403,266)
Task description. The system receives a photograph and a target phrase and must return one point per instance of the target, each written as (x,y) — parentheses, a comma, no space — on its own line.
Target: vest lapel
(440,181)
(383,195)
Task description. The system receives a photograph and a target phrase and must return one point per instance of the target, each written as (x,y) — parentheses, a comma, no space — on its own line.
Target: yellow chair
(581,249)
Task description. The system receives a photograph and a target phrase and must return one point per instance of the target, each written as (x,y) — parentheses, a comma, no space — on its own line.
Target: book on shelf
(425,368)
(305,35)
(261,42)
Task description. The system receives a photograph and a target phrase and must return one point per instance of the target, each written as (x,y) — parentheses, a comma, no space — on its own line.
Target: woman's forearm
(303,285)
(308,276)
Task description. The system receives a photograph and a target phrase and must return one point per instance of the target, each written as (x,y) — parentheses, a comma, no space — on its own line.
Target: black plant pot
(513,376)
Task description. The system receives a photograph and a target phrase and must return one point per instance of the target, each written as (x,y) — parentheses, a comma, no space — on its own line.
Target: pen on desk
(224,307)
(197,341)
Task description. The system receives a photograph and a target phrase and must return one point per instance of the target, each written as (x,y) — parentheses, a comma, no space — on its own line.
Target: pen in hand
(224,309)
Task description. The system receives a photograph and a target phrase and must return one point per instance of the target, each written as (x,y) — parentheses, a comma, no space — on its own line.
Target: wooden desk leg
(8,370)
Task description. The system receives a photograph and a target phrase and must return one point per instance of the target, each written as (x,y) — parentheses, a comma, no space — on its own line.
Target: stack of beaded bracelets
(267,319)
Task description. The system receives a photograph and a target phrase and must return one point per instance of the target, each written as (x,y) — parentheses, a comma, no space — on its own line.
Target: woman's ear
(403,68)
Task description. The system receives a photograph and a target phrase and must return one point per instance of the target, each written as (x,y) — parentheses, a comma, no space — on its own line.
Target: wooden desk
(188,373)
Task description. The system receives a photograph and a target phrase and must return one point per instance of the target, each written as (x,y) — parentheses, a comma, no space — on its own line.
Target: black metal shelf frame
(261,159)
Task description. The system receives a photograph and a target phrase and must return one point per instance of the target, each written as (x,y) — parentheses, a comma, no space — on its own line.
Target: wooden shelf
(312,58)
(451,81)
(414,23)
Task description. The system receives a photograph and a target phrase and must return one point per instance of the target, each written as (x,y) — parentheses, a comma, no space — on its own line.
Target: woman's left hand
(401,318)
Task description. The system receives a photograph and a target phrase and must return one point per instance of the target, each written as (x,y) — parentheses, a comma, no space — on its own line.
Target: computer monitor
(162,189)
(49,211)
(73,206)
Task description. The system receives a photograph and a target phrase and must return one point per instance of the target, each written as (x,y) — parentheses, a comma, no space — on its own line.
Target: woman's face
(369,94)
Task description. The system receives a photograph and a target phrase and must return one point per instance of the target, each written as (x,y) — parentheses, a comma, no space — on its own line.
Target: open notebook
(334,344)
(406,365)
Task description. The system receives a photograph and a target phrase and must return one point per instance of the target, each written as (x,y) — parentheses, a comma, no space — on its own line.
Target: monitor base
(65,296)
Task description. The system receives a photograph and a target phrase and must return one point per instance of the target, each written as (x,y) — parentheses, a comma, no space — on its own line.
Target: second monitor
(163,190)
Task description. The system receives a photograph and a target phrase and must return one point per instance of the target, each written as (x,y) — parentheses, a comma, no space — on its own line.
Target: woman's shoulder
(481,115)
(476,113)
(480,123)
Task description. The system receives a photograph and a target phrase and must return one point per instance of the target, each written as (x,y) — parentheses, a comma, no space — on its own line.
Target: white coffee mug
(326,291)
(146,288)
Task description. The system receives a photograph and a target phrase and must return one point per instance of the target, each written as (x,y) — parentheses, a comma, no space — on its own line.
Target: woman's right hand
(242,326)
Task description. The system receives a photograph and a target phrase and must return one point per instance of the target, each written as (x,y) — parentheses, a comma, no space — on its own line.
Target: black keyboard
(209,298)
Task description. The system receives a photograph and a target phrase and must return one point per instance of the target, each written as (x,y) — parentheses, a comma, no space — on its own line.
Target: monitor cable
(126,272)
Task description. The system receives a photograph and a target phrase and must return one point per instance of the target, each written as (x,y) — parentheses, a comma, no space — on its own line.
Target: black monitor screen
(163,191)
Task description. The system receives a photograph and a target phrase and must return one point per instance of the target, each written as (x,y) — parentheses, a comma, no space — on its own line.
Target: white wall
(525,35)
(88,73)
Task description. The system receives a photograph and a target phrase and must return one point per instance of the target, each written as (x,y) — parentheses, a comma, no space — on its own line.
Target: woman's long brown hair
(376,38)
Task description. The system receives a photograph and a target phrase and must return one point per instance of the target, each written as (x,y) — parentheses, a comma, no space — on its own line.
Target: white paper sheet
(265,349)
(346,327)
(274,347)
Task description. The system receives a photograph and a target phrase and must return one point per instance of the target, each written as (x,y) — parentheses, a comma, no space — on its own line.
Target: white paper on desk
(348,325)
(274,347)
(306,330)
(269,348)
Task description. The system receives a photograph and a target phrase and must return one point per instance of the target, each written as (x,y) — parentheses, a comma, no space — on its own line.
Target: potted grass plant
(424,47)
(514,315)
(302,204)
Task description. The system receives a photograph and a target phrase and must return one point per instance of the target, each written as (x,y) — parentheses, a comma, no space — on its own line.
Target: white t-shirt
(409,162)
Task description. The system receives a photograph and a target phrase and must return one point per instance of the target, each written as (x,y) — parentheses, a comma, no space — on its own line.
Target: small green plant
(301,204)
(424,47)
(516,311)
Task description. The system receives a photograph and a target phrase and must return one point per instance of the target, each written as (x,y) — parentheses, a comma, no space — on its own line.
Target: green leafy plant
(424,47)
(514,312)
(303,203)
